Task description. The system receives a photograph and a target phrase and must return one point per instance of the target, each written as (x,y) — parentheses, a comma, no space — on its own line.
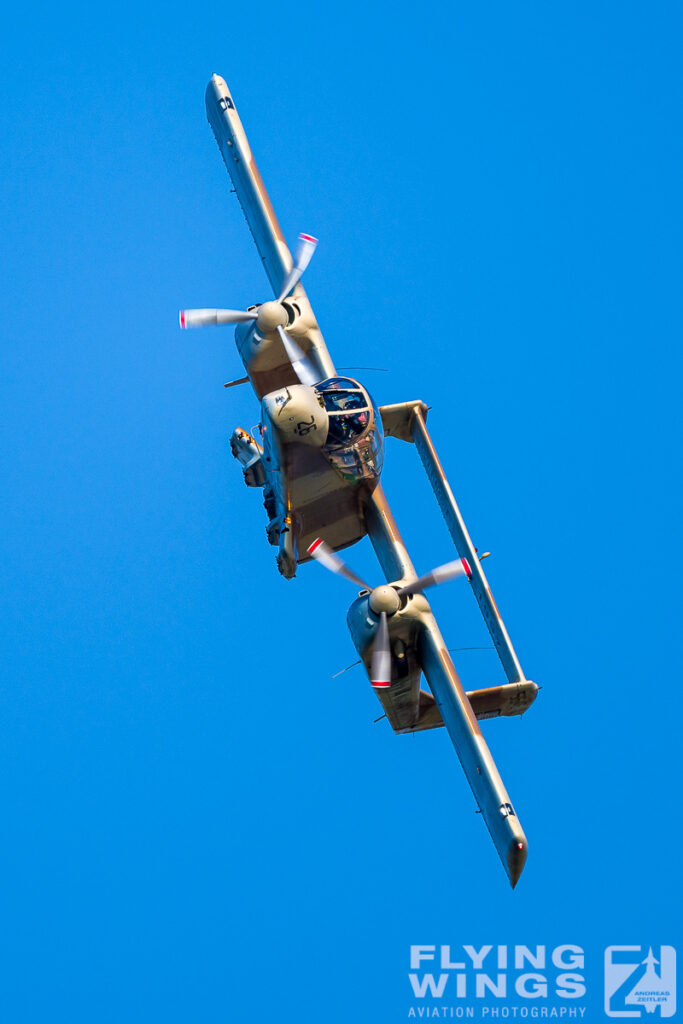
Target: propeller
(386,600)
(269,316)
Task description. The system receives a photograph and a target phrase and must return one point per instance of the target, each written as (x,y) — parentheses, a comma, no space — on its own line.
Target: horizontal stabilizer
(503,701)
(491,702)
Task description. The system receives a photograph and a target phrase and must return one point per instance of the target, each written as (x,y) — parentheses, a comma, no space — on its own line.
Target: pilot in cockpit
(347,405)
(340,401)
(347,427)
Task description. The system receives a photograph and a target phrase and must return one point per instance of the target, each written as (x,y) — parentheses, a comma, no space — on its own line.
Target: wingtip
(516,859)
(215,86)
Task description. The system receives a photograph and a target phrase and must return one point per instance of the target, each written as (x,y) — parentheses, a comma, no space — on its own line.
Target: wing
(266,372)
(408,710)
(247,182)
(472,750)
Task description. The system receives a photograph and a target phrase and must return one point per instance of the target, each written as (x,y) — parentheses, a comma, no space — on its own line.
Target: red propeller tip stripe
(466,566)
(182,318)
(380,685)
(308,238)
(314,545)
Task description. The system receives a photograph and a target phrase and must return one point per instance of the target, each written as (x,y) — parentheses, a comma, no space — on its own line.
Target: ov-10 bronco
(318,461)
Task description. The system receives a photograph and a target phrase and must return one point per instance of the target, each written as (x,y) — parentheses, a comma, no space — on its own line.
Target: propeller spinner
(386,600)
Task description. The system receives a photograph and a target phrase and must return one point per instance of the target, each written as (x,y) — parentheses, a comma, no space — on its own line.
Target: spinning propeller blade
(300,364)
(444,573)
(213,317)
(327,557)
(380,668)
(304,252)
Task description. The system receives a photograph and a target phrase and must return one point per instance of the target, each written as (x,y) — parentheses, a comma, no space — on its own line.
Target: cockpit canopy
(349,407)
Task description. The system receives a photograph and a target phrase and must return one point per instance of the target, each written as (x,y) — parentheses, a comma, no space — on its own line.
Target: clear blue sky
(198,823)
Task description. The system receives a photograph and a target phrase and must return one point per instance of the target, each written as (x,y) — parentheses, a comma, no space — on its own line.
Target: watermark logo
(490,982)
(640,980)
